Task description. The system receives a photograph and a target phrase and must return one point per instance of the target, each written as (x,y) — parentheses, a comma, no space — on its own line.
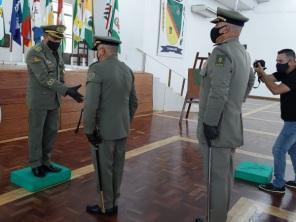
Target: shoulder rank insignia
(220,60)
(90,76)
(36,59)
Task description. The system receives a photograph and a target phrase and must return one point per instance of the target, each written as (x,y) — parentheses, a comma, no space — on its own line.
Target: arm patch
(220,60)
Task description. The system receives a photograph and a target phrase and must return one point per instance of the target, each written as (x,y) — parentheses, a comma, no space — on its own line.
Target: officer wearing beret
(226,82)
(110,104)
(45,87)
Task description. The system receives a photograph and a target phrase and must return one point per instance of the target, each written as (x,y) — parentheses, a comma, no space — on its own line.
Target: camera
(261,61)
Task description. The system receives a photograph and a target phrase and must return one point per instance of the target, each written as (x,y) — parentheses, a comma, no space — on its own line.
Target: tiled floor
(163,178)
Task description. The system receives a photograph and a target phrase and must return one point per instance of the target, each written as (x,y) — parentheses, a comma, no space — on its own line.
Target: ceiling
(242,4)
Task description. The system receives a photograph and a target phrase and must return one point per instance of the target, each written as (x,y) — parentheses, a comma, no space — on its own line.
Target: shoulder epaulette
(37,48)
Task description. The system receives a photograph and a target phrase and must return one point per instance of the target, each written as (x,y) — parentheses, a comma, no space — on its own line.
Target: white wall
(196,39)
(271,28)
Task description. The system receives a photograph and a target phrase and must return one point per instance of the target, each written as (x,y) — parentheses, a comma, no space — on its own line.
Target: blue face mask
(282,68)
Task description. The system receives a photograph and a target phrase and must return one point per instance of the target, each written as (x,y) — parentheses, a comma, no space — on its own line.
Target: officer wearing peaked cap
(45,87)
(110,104)
(226,82)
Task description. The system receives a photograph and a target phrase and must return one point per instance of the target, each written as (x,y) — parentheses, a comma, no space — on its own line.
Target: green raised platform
(25,178)
(254,172)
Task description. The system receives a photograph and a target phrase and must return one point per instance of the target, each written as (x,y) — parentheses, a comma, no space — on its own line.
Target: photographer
(286,141)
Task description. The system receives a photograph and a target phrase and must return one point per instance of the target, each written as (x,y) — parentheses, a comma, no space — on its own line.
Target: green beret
(106,40)
(56,31)
(230,16)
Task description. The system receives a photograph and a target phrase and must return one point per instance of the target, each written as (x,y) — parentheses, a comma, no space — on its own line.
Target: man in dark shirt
(286,141)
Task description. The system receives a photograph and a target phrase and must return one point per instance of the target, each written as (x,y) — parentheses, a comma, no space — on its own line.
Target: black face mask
(215,33)
(282,67)
(54,46)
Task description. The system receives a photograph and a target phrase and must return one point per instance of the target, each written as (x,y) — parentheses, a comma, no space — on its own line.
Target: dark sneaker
(272,189)
(95,209)
(199,219)
(291,184)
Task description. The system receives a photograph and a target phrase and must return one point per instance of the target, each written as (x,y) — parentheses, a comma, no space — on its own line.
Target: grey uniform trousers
(221,180)
(112,158)
(43,128)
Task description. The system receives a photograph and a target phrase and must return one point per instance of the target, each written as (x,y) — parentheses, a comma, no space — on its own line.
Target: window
(68,18)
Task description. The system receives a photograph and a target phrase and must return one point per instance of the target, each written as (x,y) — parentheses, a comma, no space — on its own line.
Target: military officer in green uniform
(226,82)
(110,104)
(44,91)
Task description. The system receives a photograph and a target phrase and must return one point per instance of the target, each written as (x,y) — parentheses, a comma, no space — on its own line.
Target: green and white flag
(114,28)
(2,25)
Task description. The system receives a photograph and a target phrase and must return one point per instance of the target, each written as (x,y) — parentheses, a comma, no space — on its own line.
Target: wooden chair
(192,95)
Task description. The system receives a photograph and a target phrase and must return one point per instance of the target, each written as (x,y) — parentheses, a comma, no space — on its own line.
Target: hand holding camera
(259,66)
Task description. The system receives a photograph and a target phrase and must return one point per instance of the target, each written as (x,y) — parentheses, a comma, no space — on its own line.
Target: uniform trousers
(111,159)
(221,180)
(43,128)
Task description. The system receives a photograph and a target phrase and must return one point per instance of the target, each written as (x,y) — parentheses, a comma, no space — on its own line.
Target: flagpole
(71,58)
(23,50)
(94,32)
(10,50)
(83,58)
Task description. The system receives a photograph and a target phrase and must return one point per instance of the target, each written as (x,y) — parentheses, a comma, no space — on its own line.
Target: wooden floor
(163,178)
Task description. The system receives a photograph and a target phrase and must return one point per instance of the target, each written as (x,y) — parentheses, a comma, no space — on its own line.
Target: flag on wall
(37,21)
(15,22)
(49,17)
(26,24)
(77,22)
(2,25)
(87,31)
(114,28)
(170,39)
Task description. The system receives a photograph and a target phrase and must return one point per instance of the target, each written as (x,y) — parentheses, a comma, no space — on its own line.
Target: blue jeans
(286,142)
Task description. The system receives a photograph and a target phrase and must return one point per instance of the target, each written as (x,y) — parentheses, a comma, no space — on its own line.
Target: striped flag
(26,24)
(107,13)
(37,21)
(60,14)
(49,17)
(15,22)
(77,22)
(87,31)
(61,21)
(2,25)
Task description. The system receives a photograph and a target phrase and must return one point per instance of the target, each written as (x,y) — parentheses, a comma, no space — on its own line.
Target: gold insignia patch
(60,29)
(90,76)
(220,60)
(36,59)
(38,48)
(50,82)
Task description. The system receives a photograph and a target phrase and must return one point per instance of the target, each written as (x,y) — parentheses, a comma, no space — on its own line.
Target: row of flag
(24,20)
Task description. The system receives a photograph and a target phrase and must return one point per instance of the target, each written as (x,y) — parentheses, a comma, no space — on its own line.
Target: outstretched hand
(73,92)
